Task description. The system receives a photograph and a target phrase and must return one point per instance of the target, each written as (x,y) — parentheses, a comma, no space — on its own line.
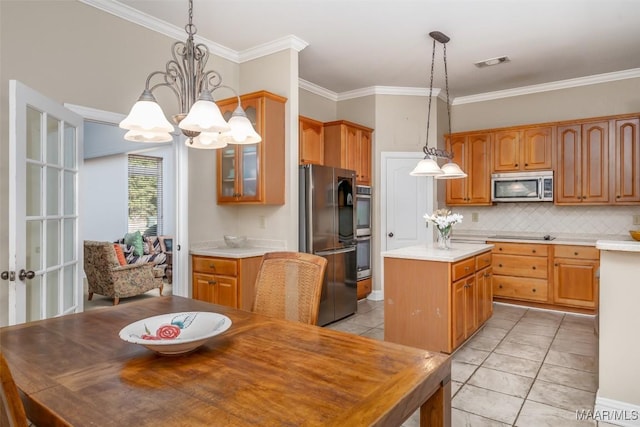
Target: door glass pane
(249,170)
(33,190)
(53,293)
(69,239)
(53,238)
(53,189)
(34,293)
(69,146)
(69,194)
(228,172)
(53,141)
(69,284)
(33,134)
(33,245)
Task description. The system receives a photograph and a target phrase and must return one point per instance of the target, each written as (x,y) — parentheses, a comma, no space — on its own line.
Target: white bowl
(235,241)
(175,333)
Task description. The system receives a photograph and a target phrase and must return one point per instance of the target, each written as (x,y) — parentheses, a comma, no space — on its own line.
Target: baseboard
(616,412)
(376,296)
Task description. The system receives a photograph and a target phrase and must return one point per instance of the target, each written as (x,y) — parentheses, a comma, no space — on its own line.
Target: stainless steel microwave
(522,186)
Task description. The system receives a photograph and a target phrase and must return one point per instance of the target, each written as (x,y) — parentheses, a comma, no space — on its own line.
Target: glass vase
(444,238)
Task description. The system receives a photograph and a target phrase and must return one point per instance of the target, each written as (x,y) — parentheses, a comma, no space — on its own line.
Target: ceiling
(357,44)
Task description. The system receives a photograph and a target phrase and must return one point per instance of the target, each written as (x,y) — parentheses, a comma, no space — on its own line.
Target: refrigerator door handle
(336,251)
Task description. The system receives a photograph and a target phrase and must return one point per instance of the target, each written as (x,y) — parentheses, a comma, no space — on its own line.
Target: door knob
(26,274)
(390,234)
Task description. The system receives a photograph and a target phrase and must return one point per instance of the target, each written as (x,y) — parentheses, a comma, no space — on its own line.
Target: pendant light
(429,165)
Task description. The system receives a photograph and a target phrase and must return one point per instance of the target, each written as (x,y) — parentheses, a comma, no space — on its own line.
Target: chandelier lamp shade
(429,165)
(200,119)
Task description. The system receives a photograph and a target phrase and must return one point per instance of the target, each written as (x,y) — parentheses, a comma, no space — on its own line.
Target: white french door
(44,248)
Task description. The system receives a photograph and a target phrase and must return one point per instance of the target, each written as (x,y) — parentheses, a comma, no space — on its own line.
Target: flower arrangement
(443,220)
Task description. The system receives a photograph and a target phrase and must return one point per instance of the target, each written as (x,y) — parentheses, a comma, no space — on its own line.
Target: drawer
(210,265)
(520,288)
(521,266)
(483,260)
(581,252)
(531,249)
(463,268)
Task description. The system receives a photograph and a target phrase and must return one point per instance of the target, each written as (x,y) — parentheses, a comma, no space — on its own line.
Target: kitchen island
(436,298)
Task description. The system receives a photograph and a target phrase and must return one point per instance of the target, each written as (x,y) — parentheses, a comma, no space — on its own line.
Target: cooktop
(545,237)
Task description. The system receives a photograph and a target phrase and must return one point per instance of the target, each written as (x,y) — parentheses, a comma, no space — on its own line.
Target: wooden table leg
(436,411)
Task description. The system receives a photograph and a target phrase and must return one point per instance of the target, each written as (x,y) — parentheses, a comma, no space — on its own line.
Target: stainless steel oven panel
(363,210)
(522,186)
(363,257)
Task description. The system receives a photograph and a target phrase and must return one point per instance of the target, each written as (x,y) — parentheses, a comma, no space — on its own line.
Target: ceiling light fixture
(429,165)
(492,61)
(200,119)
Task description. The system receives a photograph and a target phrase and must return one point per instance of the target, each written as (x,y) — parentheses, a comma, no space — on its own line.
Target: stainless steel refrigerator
(328,229)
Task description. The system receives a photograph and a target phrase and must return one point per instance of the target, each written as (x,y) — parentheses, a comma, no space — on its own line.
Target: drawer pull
(212,266)
(500,265)
(212,282)
(534,267)
(500,286)
(575,253)
(534,289)
(466,268)
(499,249)
(488,275)
(533,251)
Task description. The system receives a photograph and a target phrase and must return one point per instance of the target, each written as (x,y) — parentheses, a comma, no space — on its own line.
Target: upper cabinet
(583,163)
(472,152)
(525,149)
(254,173)
(625,171)
(348,145)
(310,141)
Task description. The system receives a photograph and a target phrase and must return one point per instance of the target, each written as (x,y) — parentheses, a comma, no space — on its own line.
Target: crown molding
(546,87)
(318,90)
(96,115)
(283,43)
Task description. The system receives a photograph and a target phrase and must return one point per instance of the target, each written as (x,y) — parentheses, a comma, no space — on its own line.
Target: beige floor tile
(534,329)
(375,333)
(512,365)
(574,347)
(489,332)
(573,361)
(587,336)
(529,339)
(470,355)
(521,350)
(413,420)
(466,419)
(582,380)
(487,403)
(455,386)
(535,414)
(508,312)
(348,325)
(365,305)
(503,382)
(560,396)
(482,343)
(572,321)
(461,371)
(496,322)
(372,319)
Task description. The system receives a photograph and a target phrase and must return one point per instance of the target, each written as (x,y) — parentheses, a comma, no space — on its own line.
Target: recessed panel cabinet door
(626,172)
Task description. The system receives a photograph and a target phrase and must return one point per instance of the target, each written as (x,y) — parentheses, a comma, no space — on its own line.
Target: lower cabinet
(520,271)
(225,281)
(364,287)
(575,274)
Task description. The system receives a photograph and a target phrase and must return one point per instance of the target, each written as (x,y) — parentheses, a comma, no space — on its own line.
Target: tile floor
(525,367)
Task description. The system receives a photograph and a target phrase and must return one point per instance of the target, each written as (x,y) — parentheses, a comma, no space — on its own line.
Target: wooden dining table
(75,370)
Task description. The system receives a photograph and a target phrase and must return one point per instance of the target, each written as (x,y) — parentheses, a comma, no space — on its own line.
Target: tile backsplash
(549,218)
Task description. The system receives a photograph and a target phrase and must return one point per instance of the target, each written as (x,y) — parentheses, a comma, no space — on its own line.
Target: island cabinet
(310,141)
(520,271)
(525,149)
(472,152)
(225,281)
(254,173)
(347,145)
(575,273)
(434,304)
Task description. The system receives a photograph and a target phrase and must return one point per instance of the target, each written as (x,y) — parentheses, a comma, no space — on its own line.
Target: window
(145,195)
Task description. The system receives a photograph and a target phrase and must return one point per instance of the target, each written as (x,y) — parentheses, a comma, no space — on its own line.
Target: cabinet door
(595,162)
(458,312)
(626,172)
(484,295)
(226,289)
(506,151)
(575,282)
(470,306)
(363,171)
(203,287)
(479,169)
(568,180)
(350,147)
(537,152)
(311,141)
(457,188)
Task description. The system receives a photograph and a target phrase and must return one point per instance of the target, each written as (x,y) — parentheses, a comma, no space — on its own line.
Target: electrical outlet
(636,220)
(474,216)
(262,221)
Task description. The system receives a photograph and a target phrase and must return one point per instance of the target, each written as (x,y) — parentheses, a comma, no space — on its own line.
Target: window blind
(145,195)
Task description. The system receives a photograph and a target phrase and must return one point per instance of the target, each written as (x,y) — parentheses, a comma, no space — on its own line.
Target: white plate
(175,333)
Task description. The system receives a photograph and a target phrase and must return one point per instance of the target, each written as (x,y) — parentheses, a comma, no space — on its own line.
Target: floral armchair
(106,276)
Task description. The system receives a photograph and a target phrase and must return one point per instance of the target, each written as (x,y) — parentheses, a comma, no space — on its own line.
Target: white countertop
(430,252)
(560,239)
(255,247)
(618,245)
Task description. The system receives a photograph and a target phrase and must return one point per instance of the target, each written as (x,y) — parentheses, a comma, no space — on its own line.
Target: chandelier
(429,165)
(200,119)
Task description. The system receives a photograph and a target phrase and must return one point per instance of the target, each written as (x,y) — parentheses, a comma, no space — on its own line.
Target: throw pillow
(120,254)
(135,240)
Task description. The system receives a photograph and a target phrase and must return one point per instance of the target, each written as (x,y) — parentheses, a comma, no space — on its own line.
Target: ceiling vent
(492,61)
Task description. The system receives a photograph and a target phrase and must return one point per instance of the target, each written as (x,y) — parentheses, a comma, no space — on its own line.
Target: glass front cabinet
(254,173)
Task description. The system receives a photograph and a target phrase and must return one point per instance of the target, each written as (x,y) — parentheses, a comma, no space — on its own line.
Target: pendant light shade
(204,116)
(147,116)
(242,131)
(427,167)
(139,136)
(451,171)
(206,141)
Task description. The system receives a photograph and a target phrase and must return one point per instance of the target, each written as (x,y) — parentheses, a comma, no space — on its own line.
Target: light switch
(474,216)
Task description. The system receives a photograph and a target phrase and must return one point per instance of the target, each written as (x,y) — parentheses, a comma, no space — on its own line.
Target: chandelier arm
(433,57)
(166,83)
(446,84)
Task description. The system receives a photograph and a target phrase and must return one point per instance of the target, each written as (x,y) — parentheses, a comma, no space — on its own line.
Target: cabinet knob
(556,264)
(466,268)
(500,286)
(212,282)
(526,164)
(534,289)
(499,249)
(534,251)
(618,196)
(487,275)
(516,165)
(212,266)
(575,253)
(534,267)
(499,265)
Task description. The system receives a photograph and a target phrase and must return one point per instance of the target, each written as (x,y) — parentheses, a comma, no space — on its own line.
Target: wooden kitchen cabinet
(525,149)
(364,287)
(625,171)
(472,152)
(225,281)
(582,163)
(310,141)
(254,173)
(520,271)
(347,145)
(575,276)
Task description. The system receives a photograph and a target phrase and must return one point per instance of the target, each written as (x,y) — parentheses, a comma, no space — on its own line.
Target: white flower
(443,218)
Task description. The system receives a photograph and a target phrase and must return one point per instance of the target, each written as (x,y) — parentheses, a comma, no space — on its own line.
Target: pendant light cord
(433,59)
(446,84)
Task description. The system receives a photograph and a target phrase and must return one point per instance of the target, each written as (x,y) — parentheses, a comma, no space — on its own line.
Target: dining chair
(12,414)
(288,286)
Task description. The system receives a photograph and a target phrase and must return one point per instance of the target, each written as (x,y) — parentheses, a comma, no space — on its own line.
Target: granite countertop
(560,239)
(253,248)
(430,252)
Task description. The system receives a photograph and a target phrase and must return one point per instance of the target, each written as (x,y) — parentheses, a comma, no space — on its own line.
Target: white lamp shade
(451,171)
(147,116)
(426,167)
(142,136)
(242,131)
(206,141)
(204,116)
